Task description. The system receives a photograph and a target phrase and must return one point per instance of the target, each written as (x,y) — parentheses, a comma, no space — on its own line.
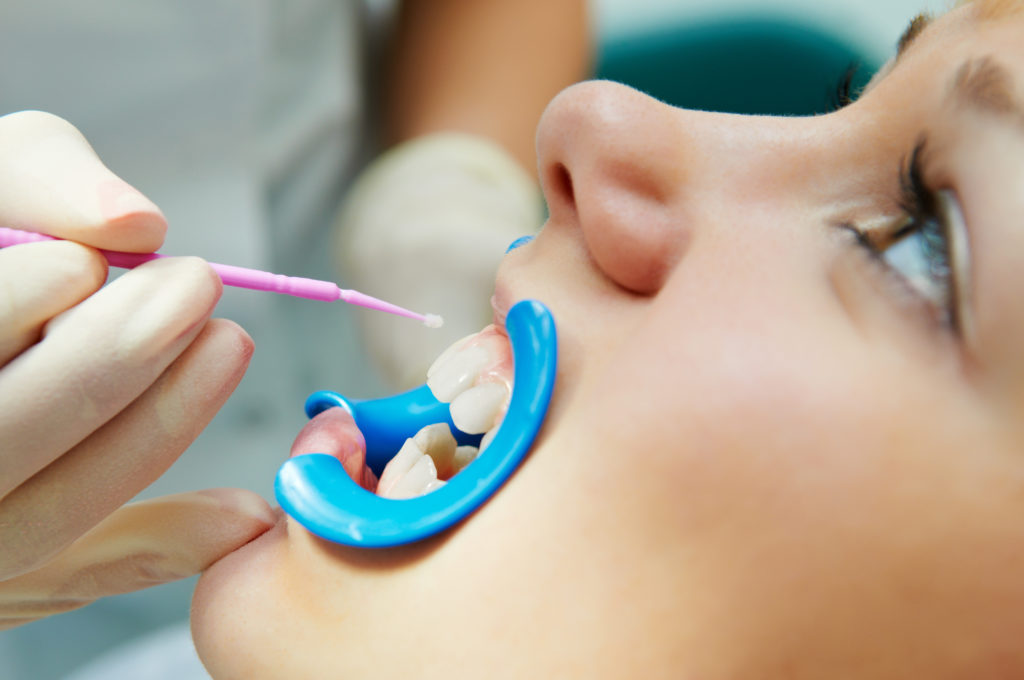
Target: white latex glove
(425,227)
(101,389)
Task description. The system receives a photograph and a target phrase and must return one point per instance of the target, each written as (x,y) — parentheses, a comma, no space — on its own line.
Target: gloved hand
(425,226)
(101,389)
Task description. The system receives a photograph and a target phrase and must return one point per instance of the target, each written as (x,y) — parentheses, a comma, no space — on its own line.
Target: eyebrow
(986,86)
(910,33)
(913,29)
(985,10)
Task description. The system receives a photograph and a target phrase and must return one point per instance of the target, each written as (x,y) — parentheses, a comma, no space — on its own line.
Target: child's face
(768,455)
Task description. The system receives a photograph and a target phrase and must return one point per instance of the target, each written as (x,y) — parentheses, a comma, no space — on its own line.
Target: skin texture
(764,458)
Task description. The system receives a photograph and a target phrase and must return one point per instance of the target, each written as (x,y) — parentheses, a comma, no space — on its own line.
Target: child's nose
(644,181)
(609,164)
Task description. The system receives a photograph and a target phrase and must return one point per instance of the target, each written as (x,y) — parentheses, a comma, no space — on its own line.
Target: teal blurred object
(766,65)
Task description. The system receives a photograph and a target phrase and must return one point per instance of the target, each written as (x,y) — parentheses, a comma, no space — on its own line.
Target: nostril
(564,181)
(561,184)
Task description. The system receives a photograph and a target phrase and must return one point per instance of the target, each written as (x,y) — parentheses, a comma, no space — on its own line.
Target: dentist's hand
(101,389)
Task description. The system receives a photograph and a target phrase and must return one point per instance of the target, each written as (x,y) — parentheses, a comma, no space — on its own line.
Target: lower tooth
(464,455)
(431,454)
(398,466)
(437,442)
(416,481)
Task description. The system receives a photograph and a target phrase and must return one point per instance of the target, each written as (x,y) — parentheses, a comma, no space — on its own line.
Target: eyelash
(920,202)
(842,94)
(925,218)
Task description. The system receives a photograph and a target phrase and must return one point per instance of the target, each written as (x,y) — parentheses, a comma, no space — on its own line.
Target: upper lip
(499,311)
(501,302)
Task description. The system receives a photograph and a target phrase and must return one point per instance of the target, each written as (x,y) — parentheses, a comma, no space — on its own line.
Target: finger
(39,281)
(96,359)
(140,545)
(335,433)
(51,181)
(74,493)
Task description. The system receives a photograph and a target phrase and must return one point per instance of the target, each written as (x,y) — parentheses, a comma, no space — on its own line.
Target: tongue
(335,433)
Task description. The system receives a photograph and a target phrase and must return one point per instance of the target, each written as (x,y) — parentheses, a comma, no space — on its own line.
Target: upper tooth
(477,409)
(452,349)
(486,441)
(452,373)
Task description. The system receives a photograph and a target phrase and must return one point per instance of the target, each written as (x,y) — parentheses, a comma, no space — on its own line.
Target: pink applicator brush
(254,279)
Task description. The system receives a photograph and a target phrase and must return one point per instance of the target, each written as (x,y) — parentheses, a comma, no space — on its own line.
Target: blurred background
(780,57)
(783,57)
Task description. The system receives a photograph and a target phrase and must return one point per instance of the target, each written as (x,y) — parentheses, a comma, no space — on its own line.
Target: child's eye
(928,250)
(920,253)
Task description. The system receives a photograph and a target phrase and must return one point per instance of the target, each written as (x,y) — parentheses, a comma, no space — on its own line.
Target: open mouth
(474,377)
(429,481)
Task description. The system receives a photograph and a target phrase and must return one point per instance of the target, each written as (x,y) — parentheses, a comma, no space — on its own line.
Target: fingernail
(119,199)
(62,188)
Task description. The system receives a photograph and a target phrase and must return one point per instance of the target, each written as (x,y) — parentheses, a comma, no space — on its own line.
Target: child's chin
(231,591)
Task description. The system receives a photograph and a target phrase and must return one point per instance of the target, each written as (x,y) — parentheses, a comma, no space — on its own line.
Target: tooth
(464,455)
(457,372)
(398,466)
(476,410)
(437,442)
(433,486)
(415,481)
(452,349)
(488,438)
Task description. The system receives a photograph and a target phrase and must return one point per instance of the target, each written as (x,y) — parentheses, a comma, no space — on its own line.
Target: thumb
(142,544)
(52,182)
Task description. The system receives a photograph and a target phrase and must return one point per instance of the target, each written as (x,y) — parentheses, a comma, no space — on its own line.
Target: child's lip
(335,433)
(501,302)
(499,312)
